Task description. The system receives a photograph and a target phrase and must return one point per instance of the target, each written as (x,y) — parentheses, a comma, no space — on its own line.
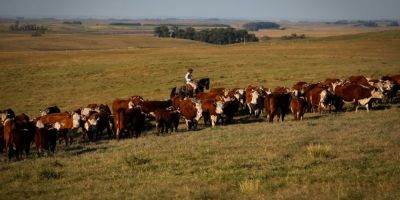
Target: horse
(187,90)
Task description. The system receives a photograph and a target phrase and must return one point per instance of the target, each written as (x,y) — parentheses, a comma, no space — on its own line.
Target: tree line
(213,36)
(255,26)
(27,27)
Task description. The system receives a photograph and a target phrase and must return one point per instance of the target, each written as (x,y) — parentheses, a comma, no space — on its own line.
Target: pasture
(327,156)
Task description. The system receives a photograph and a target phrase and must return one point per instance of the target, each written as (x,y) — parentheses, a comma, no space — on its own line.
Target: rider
(189,79)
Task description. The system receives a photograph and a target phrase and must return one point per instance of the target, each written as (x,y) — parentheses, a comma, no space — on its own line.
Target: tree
(190,33)
(161,31)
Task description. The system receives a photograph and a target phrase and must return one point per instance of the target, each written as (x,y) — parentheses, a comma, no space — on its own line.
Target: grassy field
(330,156)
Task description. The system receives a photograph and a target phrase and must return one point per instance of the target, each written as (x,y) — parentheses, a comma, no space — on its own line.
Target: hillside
(327,156)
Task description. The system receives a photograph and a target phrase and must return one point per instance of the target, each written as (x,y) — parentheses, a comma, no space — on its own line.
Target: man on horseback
(189,79)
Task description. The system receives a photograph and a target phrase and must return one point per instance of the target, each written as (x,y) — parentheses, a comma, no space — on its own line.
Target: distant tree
(255,26)
(161,31)
(190,33)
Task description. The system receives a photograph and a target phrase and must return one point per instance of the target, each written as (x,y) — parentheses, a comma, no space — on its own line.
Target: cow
(18,135)
(211,110)
(167,119)
(119,110)
(394,81)
(149,106)
(135,118)
(229,109)
(6,114)
(277,103)
(191,111)
(298,107)
(254,100)
(65,124)
(97,118)
(357,94)
(50,110)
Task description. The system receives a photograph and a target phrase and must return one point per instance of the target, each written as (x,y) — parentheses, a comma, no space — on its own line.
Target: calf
(254,100)
(298,107)
(135,118)
(167,119)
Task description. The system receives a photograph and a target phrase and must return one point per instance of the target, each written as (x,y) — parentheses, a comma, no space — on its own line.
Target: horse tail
(173,92)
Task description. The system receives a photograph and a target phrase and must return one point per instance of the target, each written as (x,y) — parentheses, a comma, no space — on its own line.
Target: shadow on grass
(78,150)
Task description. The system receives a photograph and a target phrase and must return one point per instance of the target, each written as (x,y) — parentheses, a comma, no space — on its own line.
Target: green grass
(254,160)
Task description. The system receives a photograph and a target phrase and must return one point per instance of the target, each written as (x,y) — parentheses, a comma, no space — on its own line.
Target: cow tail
(120,120)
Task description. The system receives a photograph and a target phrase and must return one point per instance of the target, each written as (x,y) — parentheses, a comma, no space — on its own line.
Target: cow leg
(213,120)
(366,106)
(187,124)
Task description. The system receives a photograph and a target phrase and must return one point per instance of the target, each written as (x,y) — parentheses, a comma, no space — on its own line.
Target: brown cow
(149,107)
(49,110)
(211,110)
(277,103)
(298,107)
(357,94)
(99,121)
(18,135)
(119,109)
(65,123)
(167,119)
(135,118)
(254,100)
(191,111)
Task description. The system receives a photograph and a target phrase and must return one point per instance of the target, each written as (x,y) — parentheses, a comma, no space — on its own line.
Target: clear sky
(236,9)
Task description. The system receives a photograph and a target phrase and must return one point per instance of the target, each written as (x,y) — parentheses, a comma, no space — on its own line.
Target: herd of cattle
(128,117)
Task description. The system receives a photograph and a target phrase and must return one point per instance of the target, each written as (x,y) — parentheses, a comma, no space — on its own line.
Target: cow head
(76,119)
(219,107)
(377,94)
(254,97)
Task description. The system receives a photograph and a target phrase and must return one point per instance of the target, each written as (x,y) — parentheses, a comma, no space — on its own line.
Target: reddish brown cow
(64,123)
(191,111)
(18,135)
(219,91)
(135,118)
(211,110)
(167,119)
(149,107)
(361,80)
(357,94)
(298,107)
(254,100)
(277,103)
(119,109)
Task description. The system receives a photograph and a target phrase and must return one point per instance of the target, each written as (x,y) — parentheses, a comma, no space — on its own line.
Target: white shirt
(188,77)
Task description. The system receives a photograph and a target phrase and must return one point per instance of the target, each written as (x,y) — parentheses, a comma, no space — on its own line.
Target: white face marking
(219,106)
(43,113)
(322,99)
(93,121)
(199,111)
(131,105)
(75,120)
(85,112)
(39,124)
(254,97)
(57,126)
(3,117)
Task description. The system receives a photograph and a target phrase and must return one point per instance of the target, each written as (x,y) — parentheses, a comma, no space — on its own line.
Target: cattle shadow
(81,149)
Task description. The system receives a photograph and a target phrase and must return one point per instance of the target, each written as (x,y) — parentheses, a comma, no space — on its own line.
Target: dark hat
(190,70)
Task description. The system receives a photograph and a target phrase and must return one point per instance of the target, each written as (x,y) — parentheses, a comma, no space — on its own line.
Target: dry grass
(269,161)
(319,151)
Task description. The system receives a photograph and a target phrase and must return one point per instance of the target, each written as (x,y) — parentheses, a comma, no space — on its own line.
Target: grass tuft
(250,186)
(319,151)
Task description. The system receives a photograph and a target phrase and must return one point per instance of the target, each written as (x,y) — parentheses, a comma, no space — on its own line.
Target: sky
(226,9)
